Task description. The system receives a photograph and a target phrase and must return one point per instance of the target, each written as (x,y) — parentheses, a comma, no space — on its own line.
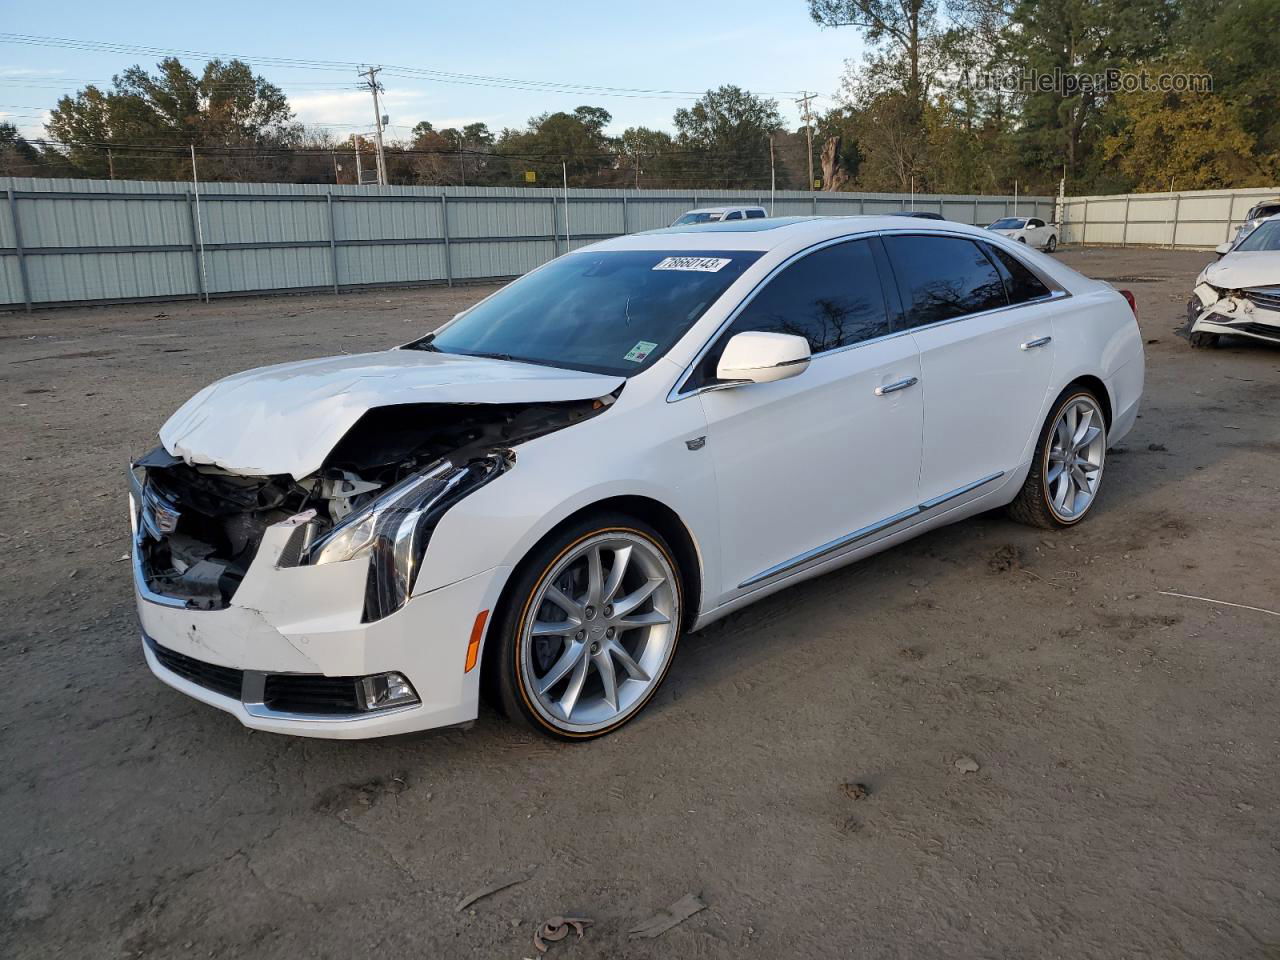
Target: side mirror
(757,357)
(1222,249)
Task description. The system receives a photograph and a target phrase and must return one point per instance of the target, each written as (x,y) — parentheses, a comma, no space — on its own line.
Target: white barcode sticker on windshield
(696,264)
(640,352)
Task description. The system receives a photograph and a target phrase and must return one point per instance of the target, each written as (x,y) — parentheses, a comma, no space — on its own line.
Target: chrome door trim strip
(960,491)
(830,547)
(849,539)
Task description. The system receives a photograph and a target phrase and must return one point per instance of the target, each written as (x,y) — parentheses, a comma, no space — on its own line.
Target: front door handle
(1038,342)
(896,386)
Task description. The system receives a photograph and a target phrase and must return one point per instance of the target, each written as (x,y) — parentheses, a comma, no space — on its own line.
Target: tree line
(950,97)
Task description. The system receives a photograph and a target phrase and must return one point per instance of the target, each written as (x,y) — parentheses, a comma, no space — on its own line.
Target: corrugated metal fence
(1194,218)
(96,241)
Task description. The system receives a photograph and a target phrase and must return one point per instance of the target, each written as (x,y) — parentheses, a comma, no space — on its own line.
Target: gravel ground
(1121,745)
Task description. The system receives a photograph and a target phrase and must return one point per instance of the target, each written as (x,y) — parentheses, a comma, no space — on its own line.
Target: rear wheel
(590,628)
(1066,472)
(1052,245)
(1203,341)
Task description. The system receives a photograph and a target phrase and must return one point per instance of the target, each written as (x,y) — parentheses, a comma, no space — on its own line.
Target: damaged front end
(378,496)
(1251,312)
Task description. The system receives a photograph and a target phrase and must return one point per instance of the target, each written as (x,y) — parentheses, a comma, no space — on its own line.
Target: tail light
(1133,302)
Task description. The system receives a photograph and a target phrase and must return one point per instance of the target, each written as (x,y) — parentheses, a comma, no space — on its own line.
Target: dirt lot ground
(1127,743)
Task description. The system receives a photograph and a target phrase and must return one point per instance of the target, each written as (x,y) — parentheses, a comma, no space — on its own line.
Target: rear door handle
(896,386)
(1038,342)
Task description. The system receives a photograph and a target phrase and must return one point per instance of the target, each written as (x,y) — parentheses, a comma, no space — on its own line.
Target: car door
(804,463)
(983,323)
(1037,233)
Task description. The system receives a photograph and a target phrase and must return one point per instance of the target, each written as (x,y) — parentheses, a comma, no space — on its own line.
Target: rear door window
(942,278)
(755,214)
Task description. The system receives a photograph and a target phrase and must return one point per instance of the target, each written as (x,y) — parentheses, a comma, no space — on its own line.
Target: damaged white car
(625,444)
(1240,293)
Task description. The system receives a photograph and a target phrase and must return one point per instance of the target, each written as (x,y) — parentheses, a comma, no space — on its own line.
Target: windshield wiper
(423,344)
(498,356)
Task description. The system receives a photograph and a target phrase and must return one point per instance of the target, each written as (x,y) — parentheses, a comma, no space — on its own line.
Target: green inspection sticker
(640,351)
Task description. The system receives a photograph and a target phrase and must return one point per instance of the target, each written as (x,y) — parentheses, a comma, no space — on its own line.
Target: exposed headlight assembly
(393,530)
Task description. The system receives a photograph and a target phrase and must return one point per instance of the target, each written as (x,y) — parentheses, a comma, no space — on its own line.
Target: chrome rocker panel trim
(833,546)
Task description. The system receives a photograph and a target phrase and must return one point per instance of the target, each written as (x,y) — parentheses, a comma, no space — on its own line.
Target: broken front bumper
(1247,313)
(289,628)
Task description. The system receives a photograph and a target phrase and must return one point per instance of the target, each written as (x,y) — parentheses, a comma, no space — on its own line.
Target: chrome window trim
(678,391)
(849,539)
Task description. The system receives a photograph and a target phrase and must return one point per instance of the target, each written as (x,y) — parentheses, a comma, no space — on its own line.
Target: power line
(420,73)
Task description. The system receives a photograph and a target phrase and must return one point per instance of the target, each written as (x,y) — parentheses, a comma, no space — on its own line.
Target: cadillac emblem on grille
(159,516)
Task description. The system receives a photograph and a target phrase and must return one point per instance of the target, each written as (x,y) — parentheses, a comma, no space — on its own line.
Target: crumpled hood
(285,419)
(1237,271)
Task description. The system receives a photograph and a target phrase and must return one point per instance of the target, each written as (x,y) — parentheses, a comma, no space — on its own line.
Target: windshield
(1008,223)
(1265,237)
(696,218)
(613,312)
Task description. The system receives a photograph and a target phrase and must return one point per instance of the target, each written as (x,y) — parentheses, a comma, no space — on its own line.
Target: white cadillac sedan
(625,444)
(1029,230)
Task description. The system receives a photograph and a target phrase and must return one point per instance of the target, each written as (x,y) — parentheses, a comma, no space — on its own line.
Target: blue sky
(770,47)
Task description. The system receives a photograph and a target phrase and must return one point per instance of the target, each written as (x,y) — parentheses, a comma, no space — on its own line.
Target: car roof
(745,206)
(780,233)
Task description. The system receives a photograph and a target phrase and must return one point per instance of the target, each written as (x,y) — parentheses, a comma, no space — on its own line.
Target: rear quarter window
(1020,283)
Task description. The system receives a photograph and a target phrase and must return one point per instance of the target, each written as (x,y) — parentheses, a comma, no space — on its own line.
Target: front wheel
(1066,472)
(590,628)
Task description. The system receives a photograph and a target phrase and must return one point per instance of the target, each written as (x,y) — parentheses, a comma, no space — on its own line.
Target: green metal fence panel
(86,241)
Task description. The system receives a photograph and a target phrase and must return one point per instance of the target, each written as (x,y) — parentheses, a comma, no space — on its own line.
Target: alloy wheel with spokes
(598,631)
(1066,474)
(1075,458)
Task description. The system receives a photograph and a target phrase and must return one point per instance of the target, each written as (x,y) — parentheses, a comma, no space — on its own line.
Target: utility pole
(375,87)
(808,129)
(355,145)
(195,189)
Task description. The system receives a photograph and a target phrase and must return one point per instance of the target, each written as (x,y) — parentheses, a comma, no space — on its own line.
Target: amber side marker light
(473,646)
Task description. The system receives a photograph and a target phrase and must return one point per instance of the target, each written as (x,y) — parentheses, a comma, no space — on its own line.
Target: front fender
(638,450)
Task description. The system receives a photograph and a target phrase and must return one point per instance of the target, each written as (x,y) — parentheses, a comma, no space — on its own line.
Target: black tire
(1032,505)
(1203,341)
(1052,245)
(505,663)
(1022,239)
